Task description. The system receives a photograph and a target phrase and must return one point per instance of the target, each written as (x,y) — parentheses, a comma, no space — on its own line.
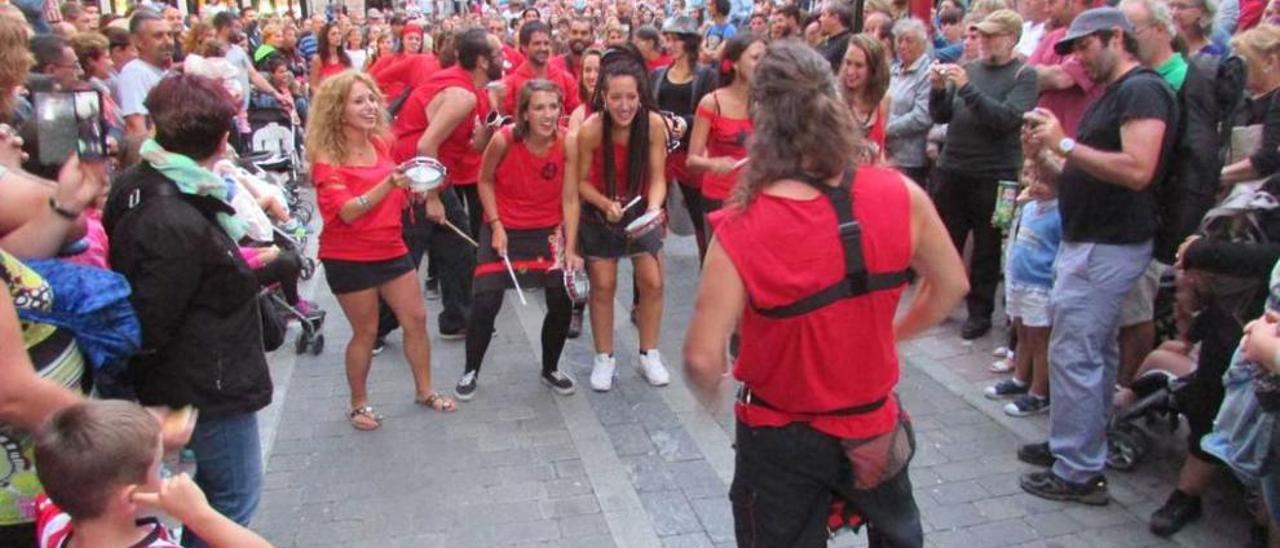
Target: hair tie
(726,65)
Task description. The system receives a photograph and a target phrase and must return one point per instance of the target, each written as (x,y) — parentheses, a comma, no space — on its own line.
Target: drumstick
(740,163)
(633,202)
(512,272)
(459,232)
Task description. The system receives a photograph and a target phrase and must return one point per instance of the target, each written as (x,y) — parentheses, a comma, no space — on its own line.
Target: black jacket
(705,80)
(1191,183)
(195,296)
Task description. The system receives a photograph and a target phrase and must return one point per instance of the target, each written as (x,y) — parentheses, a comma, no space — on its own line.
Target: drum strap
(856,281)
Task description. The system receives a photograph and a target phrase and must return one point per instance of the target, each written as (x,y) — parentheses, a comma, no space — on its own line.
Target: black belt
(747,397)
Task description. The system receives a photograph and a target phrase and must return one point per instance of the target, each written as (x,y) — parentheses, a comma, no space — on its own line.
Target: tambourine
(676,128)
(645,224)
(495,120)
(424,173)
(577,285)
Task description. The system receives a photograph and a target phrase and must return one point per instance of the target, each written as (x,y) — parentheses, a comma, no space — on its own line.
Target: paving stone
(692,540)
(959,491)
(573,506)
(649,473)
(953,516)
(587,525)
(716,516)
(1052,524)
(567,487)
(670,513)
(1003,533)
(630,439)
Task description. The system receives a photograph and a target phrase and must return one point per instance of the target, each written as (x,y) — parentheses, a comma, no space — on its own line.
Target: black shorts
(352,276)
(600,239)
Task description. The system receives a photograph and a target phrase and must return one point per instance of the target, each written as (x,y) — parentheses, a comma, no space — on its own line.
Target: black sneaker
(454,335)
(432,289)
(974,328)
(379,345)
(1176,513)
(1047,485)
(1026,405)
(575,324)
(1007,388)
(1037,454)
(559,383)
(466,388)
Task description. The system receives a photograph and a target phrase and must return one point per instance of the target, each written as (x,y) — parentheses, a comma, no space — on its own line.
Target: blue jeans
(1091,281)
(228,467)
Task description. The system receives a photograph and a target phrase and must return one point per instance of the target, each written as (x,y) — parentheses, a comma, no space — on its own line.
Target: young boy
(100,467)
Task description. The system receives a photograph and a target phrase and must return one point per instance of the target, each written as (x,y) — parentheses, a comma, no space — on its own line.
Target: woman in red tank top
(586,88)
(818,367)
(864,81)
(526,196)
(330,58)
(723,122)
(621,155)
(361,195)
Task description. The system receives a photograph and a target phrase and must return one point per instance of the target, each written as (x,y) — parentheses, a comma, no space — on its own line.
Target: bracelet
(494,220)
(64,213)
(362,201)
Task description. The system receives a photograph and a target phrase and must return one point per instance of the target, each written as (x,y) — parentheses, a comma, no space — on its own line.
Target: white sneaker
(651,368)
(602,372)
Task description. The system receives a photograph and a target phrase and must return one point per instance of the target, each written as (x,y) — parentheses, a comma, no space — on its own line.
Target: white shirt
(240,60)
(1031,35)
(134,83)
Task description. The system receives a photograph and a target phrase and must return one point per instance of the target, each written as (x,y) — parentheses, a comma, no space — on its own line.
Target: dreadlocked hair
(621,62)
(802,126)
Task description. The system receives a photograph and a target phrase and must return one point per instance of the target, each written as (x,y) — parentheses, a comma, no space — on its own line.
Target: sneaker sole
(464,397)
(562,391)
(1021,413)
(453,336)
(1095,499)
(598,389)
(998,397)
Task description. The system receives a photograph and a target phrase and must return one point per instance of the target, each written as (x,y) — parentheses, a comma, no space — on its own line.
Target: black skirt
(600,239)
(352,276)
(534,256)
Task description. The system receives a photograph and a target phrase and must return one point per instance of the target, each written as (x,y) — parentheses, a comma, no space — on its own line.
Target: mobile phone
(69,121)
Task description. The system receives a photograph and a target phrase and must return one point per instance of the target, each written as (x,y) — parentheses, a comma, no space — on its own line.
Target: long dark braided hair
(618,62)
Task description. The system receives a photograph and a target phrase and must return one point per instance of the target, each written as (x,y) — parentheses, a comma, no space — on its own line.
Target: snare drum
(495,120)
(676,128)
(577,285)
(425,174)
(645,224)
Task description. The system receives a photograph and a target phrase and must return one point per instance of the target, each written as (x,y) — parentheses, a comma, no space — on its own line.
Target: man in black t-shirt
(1108,222)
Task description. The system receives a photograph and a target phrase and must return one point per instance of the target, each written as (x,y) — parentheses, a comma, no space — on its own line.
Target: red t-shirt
(54,528)
(455,152)
(838,356)
(621,188)
(511,58)
(563,62)
(727,138)
(405,72)
(517,78)
(332,68)
(374,236)
(529,187)
(1067,104)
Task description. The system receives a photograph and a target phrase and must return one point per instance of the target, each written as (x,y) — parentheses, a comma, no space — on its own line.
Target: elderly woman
(1194,19)
(908,126)
(173,235)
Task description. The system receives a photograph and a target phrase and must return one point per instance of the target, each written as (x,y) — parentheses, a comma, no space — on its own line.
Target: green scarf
(193,179)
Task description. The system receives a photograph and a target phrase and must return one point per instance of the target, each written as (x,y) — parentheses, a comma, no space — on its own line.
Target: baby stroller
(311,321)
(1151,401)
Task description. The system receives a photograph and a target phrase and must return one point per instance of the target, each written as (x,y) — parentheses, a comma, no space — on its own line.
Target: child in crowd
(100,466)
(1028,280)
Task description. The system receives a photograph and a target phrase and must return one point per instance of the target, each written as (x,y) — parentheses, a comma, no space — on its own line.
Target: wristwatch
(1066,145)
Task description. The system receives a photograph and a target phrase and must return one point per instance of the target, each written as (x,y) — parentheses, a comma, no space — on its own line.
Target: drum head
(644,223)
(425,174)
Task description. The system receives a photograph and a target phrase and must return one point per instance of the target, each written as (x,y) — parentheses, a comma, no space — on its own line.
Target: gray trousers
(1091,281)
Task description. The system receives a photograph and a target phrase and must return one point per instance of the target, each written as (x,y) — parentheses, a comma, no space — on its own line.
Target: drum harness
(855,283)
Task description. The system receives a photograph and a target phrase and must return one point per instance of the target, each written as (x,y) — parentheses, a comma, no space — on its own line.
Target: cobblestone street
(642,466)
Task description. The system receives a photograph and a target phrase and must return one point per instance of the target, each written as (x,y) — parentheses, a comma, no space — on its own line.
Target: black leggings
(284,270)
(693,202)
(555,327)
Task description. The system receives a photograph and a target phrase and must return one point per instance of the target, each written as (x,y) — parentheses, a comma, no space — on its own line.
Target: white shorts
(1140,304)
(1028,303)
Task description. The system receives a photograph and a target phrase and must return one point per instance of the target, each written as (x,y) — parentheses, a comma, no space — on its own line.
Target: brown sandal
(363,418)
(437,402)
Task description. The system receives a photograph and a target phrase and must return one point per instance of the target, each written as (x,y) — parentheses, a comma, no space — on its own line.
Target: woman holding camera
(360,195)
(528,197)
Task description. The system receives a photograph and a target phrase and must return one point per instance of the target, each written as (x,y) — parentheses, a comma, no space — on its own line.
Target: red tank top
(621,190)
(455,152)
(841,355)
(330,69)
(529,187)
(727,138)
(875,133)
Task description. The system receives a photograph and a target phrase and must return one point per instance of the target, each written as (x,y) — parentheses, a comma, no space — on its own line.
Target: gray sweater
(984,118)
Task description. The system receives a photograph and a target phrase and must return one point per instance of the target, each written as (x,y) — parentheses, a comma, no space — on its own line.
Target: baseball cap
(680,24)
(1000,22)
(1089,22)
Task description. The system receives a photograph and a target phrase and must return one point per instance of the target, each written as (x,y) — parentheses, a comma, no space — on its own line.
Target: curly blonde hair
(15,61)
(325,127)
